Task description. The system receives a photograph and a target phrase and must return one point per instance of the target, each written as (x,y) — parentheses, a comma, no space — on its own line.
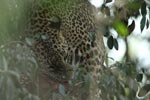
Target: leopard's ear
(55,22)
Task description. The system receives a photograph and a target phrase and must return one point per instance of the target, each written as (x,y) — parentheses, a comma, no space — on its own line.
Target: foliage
(18,61)
(131,8)
(15,60)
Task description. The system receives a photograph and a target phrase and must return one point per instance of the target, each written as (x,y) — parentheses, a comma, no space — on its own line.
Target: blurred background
(12,54)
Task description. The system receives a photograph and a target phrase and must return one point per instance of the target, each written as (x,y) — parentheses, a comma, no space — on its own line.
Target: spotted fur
(65,37)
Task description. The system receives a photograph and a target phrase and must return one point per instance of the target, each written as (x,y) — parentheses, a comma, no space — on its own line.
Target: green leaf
(37,35)
(143,9)
(116,44)
(144,90)
(107,1)
(127,92)
(106,34)
(30,41)
(92,36)
(5,64)
(62,90)
(105,10)
(110,42)
(135,5)
(131,27)
(147,24)
(44,37)
(121,28)
(139,77)
(142,23)
(87,79)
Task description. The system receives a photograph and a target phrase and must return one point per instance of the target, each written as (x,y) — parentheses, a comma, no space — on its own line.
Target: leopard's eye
(55,22)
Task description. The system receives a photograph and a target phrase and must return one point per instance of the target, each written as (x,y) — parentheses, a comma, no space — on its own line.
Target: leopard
(65,38)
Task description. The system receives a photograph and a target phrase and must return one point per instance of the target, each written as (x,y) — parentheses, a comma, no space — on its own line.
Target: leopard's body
(65,35)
